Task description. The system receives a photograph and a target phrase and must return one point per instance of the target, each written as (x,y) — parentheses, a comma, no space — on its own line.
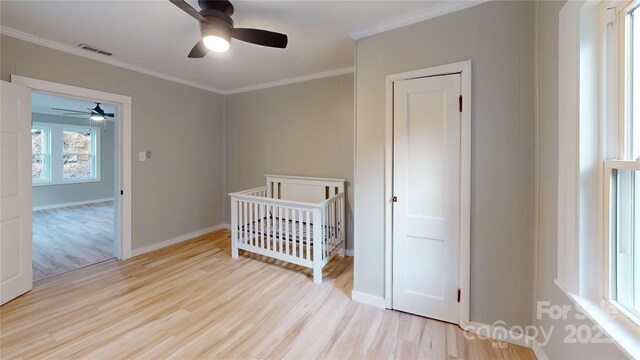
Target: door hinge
(458,294)
(121,192)
(395,199)
(460,102)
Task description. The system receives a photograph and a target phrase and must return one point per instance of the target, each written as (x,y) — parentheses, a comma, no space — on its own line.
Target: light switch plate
(142,156)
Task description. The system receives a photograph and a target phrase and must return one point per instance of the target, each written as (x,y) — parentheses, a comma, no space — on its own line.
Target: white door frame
(123,126)
(464,69)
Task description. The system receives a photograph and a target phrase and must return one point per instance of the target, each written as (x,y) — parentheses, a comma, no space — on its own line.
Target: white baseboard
(225,226)
(175,240)
(77,203)
(538,351)
(368,299)
(348,252)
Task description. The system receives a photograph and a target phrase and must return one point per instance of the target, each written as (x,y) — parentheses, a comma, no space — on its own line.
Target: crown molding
(415,17)
(293,80)
(75,51)
(100,58)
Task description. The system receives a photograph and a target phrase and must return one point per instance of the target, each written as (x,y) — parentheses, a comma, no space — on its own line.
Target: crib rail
(306,234)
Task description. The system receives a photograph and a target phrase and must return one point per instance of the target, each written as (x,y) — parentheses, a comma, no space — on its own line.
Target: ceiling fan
(216,28)
(96,113)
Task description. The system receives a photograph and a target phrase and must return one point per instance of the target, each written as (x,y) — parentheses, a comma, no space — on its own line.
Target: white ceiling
(157,36)
(43,104)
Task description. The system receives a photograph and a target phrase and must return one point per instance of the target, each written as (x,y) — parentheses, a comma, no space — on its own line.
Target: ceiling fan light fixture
(216,33)
(216,43)
(97,117)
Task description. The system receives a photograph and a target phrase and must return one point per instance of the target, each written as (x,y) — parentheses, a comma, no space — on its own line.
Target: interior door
(16,275)
(426,184)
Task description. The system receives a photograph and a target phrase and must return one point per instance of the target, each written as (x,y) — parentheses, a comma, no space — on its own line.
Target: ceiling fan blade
(261,37)
(199,50)
(75,114)
(184,6)
(108,114)
(69,110)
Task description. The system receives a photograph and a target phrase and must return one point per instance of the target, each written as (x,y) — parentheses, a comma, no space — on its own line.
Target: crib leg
(234,228)
(234,250)
(317,274)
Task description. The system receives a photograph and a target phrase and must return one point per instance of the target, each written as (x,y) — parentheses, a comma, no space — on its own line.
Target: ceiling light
(216,43)
(97,117)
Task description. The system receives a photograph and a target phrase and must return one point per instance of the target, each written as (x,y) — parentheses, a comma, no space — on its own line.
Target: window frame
(46,151)
(56,157)
(617,73)
(587,30)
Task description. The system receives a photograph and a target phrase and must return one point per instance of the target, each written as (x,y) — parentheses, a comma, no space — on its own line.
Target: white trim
(624,332)
(77,203)
(225,226)
(348,252)
(464,69)
(177,239)
(416,17)
(111,61)
(293,80)
(538,350)
(499,333)
(100,58)
(54,88)
(123,168)
(368,299)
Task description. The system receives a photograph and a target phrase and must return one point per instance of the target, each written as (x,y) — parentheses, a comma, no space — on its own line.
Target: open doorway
(74,152)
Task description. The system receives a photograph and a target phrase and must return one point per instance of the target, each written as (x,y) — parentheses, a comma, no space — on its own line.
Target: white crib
(295,219)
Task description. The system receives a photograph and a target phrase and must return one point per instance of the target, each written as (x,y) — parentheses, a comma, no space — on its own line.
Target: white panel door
(15,192)
(426,183)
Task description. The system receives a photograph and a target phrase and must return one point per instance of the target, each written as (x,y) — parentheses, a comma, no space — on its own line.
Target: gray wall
(181,188)
(47,195)
(548,197)
(300,129)
(498,37)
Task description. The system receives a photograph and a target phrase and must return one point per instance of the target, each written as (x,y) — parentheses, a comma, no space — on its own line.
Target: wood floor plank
(191,300)
(72,237)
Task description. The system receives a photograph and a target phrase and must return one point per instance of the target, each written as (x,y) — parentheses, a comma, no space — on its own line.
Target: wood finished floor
(192,301)
(72,237)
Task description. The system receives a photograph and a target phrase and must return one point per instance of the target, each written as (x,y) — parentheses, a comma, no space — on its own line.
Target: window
(40,168)
(78,154)
(622,172)
(64,154)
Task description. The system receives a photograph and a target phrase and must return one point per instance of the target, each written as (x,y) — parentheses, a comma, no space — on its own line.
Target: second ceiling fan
(216,28)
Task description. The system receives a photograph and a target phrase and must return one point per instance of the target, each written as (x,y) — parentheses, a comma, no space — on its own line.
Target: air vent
(94,49)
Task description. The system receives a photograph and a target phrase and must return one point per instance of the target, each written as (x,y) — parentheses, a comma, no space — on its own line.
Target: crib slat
(330,228)
(251,224)
(336,209)
(245,222)
(286,230)
(260,229)
(308,237)
(270,229)
(239,221)
(279,229)
(294,232)
(327,228)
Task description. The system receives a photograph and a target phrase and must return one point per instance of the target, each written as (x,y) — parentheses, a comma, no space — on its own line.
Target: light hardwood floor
(192,301)
(71,237)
